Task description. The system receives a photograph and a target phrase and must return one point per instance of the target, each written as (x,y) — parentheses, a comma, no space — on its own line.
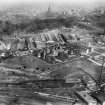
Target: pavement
(95,62)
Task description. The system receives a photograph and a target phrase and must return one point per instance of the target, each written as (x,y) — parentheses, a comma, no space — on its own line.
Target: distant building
(48,14)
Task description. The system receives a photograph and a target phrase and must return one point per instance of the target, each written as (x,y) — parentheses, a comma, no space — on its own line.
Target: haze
(81,3)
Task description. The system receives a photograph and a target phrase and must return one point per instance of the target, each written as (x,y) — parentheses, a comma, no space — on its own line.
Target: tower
(49,10)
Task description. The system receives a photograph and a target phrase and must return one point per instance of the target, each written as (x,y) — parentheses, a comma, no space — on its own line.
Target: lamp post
(101,71)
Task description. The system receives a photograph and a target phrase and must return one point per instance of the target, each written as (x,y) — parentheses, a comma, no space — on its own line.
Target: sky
(42,0)
(59,1)
(71,2)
